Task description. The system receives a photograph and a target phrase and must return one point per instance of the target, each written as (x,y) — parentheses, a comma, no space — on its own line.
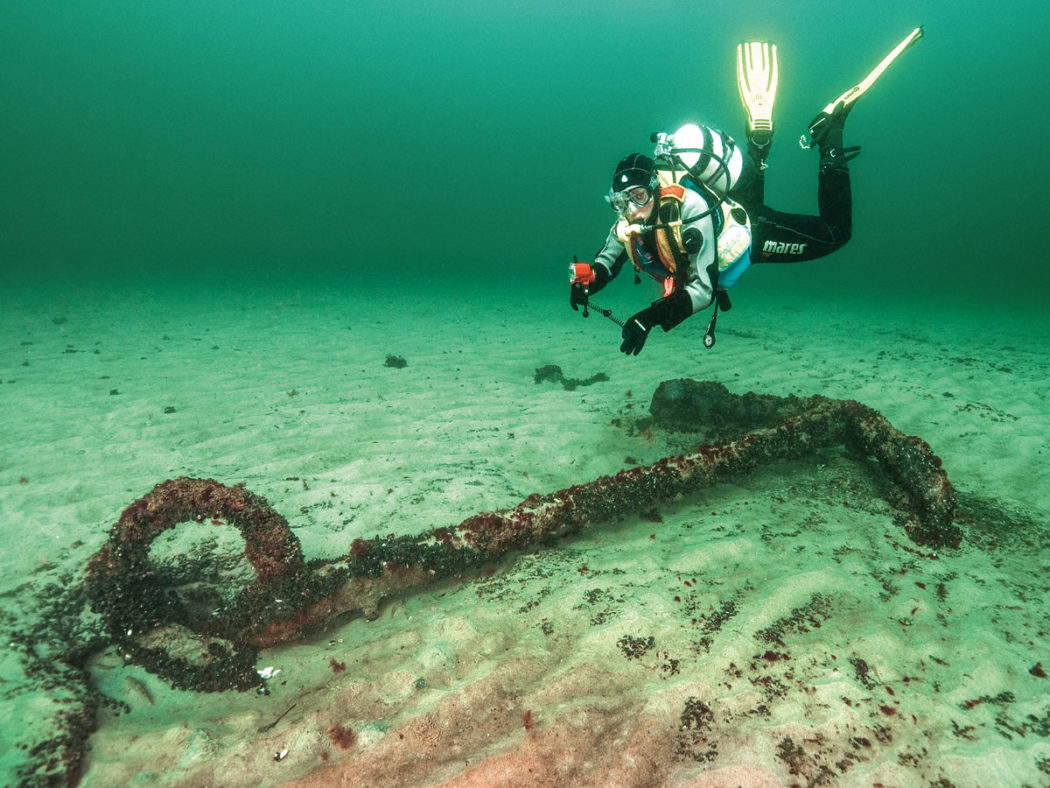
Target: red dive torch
(581,273)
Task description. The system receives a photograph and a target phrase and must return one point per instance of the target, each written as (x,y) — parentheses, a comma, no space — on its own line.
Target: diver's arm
(609,260)
(606,266)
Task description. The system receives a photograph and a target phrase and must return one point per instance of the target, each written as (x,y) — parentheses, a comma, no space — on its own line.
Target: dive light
(580,273)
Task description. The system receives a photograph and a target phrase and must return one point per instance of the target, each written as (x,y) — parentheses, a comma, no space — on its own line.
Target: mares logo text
(778,247)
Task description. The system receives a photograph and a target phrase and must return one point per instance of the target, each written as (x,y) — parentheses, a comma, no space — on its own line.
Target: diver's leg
(825,131)
(835,203)
(792,238)
(750,188)
(779,237)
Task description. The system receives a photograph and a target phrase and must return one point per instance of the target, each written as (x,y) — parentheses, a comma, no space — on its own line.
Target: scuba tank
(709,163)
(710,159)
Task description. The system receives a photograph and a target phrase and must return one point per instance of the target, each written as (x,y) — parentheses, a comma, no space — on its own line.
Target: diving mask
(637,196)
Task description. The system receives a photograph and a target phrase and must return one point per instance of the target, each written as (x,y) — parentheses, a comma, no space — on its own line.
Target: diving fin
(844,103)
(756,77)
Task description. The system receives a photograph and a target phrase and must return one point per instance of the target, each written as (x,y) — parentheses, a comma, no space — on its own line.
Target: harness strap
(669,231)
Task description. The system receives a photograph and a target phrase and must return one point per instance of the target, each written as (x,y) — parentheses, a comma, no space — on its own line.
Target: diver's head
(634,187)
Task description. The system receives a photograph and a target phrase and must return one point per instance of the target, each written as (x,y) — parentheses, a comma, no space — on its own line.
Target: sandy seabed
(777,630)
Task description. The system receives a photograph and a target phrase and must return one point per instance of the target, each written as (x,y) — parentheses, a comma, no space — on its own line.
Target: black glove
(578,297)
(579,293)
(667,312)
(636,331)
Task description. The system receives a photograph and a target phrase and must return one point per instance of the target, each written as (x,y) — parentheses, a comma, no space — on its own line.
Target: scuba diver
(693,216)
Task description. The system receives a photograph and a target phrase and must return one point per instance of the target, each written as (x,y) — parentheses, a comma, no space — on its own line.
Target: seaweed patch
(553,373)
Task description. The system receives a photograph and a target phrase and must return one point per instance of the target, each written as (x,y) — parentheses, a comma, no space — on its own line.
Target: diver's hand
(581,292)
(667,313)
(578,296)
(636,331)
